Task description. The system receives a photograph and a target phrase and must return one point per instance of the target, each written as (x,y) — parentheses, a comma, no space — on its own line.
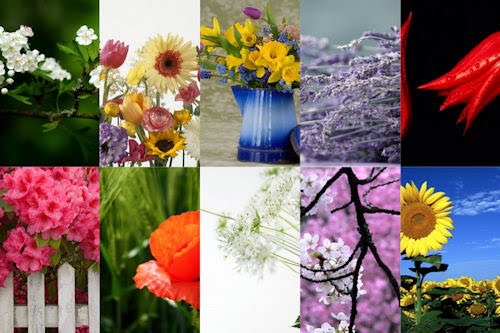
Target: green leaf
(237,36)
(84,52)
(42,74)
(93,50)
(430,322)
(67,49)
(426,270)
(297,322)
(50,126)
(434,259)
(196,111)
(271,21)
(55,243)
(22,99)
(55,258)
(40,242)
(468,321)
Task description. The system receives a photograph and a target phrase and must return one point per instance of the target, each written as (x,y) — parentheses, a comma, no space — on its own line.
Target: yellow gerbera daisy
(170,62)
(165,144)
(424,220)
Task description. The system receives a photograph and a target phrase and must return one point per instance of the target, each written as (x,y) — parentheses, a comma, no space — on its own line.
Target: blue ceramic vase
(268,120)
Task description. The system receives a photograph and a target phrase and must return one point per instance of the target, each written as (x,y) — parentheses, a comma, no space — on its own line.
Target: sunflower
(495,285)
(164,144)
(170,62)
(424,220)
(477,309)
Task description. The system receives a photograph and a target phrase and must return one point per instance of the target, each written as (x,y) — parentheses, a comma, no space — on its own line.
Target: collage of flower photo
(246,166)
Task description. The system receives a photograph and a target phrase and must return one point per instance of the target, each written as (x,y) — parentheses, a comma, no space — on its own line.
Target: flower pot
(268,120)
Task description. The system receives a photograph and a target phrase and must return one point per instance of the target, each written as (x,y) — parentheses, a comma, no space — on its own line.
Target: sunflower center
(164,145)
(417,220)
(169,63)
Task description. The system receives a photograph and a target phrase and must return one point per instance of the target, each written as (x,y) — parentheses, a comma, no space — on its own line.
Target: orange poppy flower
(175,274)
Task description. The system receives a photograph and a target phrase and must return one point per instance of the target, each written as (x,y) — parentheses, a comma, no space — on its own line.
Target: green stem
(280,231)
(106,88)
(293,226)
(219,215)
(418,301)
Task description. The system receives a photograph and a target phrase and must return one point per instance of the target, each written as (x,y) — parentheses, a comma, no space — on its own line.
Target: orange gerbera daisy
(175,274)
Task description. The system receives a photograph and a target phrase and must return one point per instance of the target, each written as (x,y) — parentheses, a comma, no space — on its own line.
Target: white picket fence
(36,315)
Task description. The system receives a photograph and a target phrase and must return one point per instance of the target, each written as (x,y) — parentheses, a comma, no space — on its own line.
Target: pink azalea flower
(21,249)
(188,94)
(157,119)
(5,268)
(113,54)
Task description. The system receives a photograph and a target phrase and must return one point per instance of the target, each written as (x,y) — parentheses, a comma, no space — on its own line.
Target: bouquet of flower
(253,56)
(137,126)
(48,216)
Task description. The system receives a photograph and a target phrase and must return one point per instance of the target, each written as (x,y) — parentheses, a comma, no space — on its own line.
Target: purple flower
(252,12)
(112,144)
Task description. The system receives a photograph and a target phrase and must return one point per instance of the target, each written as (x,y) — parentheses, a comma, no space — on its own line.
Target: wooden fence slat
(94,300)
(21,316)
(66,298)
(7,305)
(36,303)
(37,316)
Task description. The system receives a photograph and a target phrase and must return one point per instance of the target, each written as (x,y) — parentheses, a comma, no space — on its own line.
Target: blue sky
(474,249)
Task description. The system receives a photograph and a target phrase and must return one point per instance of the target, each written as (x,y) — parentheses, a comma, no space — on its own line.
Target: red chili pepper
(487,93)
(462,93)
(476,62)
(405,91)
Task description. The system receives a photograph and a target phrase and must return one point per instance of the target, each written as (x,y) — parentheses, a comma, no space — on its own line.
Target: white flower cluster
(322,263)
(343,326)
(15,52)
(310,185)
(267,230)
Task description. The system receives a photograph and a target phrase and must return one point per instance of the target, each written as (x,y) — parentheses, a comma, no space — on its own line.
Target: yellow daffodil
(291,73)
(272,54)
(232,61)
(277,70)
(210,32)
(251,63)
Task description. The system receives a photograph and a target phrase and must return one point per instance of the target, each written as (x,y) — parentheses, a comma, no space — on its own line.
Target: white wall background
(135,21)
(231,301)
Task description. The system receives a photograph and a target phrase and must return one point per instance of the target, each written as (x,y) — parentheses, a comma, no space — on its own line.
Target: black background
(441,34)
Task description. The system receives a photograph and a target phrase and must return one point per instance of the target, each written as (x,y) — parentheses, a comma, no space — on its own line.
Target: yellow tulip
(133,107)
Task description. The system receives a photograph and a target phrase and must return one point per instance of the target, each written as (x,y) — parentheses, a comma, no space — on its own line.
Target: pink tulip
(113,54)
(157,119)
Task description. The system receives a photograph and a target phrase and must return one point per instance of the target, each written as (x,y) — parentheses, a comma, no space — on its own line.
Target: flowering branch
(364,244)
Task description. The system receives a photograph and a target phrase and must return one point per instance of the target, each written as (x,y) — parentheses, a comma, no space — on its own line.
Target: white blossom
(191,131)
(85,35)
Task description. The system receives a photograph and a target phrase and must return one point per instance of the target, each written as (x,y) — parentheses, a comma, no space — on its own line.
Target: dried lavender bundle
(350,107)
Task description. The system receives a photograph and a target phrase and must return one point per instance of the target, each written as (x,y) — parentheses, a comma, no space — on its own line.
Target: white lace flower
(192,134)
(85,35)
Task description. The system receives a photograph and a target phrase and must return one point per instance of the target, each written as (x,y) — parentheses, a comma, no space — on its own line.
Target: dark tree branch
(365,195)
(341,207)
(365,242)
(305,210)
(52,116)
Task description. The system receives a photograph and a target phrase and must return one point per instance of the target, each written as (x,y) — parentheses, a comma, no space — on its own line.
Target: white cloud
(493,243)
(478,203)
